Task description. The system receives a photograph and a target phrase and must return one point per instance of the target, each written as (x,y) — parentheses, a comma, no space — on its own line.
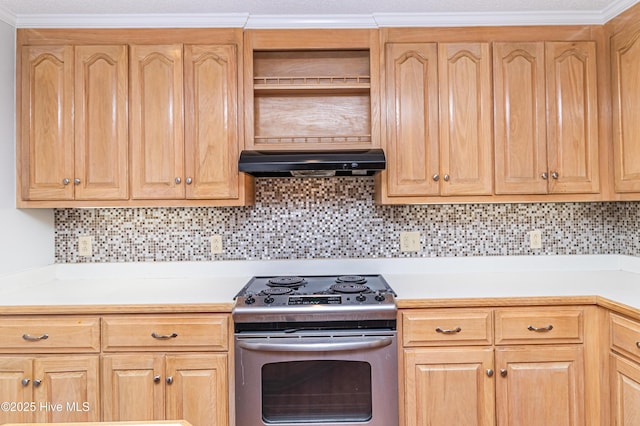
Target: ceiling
(73,13)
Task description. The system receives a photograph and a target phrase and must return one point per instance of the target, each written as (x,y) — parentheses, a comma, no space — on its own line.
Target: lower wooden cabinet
(625,391)
(49,389)
(540,385)
(141,387)
(457,373)
(449,386)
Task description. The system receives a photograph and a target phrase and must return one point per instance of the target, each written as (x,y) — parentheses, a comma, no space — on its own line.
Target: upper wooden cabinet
(546,126)
(625,69)
(438,121)
(154,123)
(74,123)
(311,89)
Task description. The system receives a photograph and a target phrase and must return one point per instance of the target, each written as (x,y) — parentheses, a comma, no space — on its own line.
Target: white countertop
(174,283)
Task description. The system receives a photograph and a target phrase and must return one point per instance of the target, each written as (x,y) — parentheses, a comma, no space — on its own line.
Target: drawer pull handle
(540,329)
(164,336)
(454,331)
(30,338)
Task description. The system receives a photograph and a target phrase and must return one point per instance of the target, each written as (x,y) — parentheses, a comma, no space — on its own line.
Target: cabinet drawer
(49,334)
(544,325)
(440,327)
(625,336)
(165,332)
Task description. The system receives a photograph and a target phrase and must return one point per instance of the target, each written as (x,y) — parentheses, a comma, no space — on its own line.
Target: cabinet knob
(66,181)
(638,345)
(76,181)
(178,180)
(489,372)
(169,380)
(446,178)
(25,381)
(503,372)
(436,177)
(555,175)
(37,382)
(156,379)
(545,175)
(188,180)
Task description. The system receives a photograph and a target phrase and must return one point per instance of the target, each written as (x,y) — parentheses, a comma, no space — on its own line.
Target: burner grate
(286,281)
(350,288)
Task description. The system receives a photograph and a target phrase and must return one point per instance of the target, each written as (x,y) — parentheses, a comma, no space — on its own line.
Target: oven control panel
(314,300)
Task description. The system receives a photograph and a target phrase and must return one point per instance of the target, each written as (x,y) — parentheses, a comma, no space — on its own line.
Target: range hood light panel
(364,162)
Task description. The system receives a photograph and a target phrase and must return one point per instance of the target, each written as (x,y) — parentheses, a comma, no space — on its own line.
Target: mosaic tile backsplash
(337,218)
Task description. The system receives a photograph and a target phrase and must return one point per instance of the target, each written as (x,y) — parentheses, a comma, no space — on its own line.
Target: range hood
(364,162)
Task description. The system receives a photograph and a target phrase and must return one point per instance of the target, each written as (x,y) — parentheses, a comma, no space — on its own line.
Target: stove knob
(361,297)
(268,299)
(379,297)
(250,300)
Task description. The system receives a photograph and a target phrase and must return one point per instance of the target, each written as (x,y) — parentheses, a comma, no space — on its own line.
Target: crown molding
(246,20)
(310,21)
(201,20)
(478,19)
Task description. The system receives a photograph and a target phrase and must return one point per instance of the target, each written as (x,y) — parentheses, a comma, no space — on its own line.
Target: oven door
(311,379)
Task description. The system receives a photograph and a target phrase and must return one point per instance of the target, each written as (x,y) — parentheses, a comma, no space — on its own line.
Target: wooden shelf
(276,84)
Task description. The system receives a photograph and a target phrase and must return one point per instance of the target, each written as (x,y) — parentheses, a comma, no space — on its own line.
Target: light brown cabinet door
(16,387)
(46,124)
(198,390)
(466,145)
(540,386)
(211,121)
(625,62)
(412,139)
(101,95)
(572,128)
(71,384)
(156,120)
(520,124)
(449,386)
(133,387)
(625,392)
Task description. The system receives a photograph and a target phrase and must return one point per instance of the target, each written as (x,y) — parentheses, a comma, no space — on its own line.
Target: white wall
(26,236)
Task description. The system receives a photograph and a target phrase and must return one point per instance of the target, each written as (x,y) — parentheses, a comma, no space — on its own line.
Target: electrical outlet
(410,241)
(85,245)
(216,244)
(535,239)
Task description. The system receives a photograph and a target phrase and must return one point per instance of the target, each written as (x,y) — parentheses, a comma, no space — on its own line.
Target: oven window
(316,392)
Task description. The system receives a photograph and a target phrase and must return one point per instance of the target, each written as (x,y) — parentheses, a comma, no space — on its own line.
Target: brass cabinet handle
(445,331)
(30,338)
(540,329)
(164,336)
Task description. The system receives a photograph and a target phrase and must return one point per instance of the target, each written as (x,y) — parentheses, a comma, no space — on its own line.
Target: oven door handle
(350,345)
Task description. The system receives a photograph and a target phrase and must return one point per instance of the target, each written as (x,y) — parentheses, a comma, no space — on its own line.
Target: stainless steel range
(316,350)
